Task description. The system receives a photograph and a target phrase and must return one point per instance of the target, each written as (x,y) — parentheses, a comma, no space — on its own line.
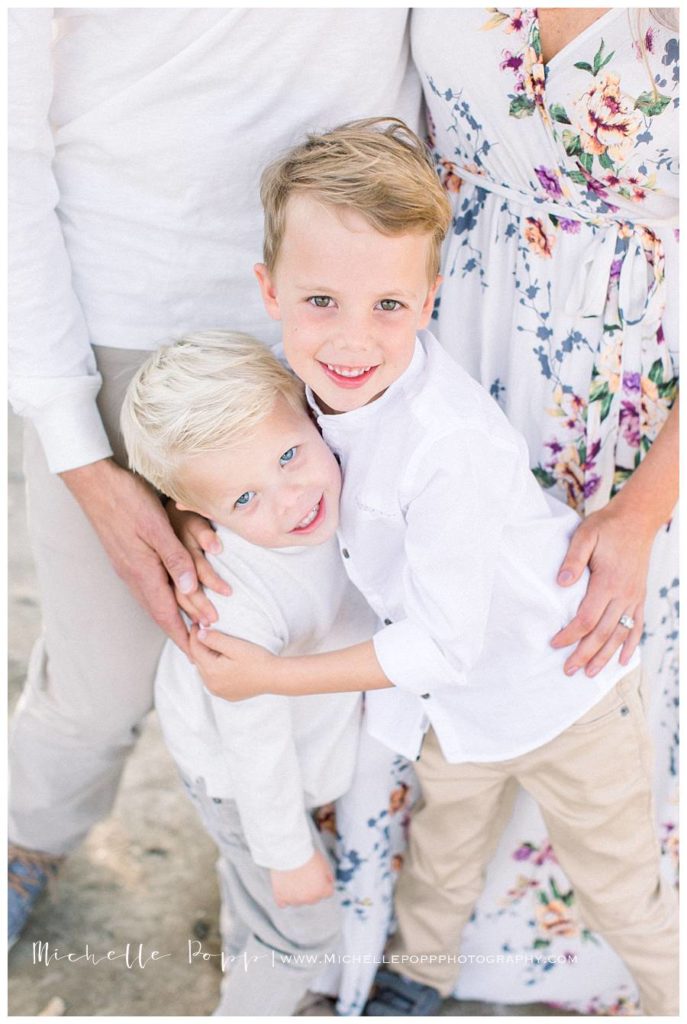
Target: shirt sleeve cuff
(72,432)
(284,853)
(412,660)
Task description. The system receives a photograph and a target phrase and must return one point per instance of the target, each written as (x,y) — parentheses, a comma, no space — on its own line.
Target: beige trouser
(90,680)
(593,786)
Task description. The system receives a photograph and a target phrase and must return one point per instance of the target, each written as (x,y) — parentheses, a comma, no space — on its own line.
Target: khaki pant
(90,681)
(593,785)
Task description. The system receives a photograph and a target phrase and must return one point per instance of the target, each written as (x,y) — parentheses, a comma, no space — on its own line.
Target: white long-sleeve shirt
(456,547)
(137,137)
(275,756)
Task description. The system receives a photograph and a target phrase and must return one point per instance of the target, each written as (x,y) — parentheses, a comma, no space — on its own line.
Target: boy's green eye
(321,301)
(287,456)
(244,499)
(390,305)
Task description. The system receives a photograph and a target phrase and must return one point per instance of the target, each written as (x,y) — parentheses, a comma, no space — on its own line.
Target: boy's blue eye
(244,499)
(321,301)
(287,456)
(390,305)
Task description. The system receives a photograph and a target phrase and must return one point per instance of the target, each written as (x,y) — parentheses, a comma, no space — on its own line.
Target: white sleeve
(53,378)
(260,754)
(454,522)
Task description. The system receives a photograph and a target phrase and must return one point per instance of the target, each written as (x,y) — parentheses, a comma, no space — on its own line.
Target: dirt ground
(144,879)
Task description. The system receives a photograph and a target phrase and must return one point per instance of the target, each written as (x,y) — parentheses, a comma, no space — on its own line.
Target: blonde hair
(377,167)
(202,394)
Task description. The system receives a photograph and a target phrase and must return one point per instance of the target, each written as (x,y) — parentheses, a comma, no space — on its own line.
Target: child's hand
(310,883)
(230,668)
(198,536)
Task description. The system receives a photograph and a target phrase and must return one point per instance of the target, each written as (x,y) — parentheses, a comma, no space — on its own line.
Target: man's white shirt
(136,141)
(448,535)
(277,757)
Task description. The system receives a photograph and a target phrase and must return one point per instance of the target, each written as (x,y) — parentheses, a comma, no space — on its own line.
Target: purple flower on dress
(511,60)
(555,446)
(591,486)
(549,181)
(632,382)
(597,187)
(649,40)
(629,424)
(571,226)
(616,267)
(523,852)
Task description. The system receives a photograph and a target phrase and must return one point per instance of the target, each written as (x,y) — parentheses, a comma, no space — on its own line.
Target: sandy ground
(144,877)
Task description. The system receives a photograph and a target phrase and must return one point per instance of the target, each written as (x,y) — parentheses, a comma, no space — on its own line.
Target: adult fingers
(577,557)
(633,637)
(587,617)
(591,645)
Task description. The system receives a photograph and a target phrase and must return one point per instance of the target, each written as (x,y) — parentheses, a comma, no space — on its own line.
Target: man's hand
(138,538)
(198,537)
(310,883)
(230,668)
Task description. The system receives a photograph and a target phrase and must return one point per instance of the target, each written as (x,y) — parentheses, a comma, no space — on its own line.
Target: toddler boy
(455,546)
(219,425)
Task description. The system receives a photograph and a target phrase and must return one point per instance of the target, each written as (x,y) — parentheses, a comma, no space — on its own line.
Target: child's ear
(428,304)
(267,290)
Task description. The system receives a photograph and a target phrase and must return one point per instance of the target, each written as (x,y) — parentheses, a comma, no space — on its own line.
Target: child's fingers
(202,655)
(209,578)
(220,643)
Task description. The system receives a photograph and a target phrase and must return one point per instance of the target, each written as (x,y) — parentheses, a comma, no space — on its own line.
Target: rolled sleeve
(411,659)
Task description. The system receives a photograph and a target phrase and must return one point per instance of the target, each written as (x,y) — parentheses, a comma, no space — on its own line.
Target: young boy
(219,425)
(455,546)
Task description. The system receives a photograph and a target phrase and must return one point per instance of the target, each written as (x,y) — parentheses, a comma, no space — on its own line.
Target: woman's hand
(616,545)
(198,537)
(230,668)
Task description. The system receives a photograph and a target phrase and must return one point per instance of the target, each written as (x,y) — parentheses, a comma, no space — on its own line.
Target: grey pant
(90,681)
(272,953)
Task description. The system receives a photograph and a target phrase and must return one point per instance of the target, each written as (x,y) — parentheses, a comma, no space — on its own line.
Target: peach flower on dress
(608,121)
(554,919)
(537,239)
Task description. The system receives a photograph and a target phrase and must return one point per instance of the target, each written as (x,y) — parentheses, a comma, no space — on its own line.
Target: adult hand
(616,546)
(134,530)
(302,886)
(230,668)
(198,537)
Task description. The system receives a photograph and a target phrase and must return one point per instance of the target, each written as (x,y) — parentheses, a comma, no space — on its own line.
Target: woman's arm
(616,543)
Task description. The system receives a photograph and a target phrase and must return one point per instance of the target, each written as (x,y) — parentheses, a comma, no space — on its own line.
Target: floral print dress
(560,296)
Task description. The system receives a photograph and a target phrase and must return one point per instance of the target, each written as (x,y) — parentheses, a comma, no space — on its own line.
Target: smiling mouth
(348,376)
(312,520)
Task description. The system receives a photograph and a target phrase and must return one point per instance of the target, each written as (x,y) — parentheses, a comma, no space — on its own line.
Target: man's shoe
(28,873)
(396,996)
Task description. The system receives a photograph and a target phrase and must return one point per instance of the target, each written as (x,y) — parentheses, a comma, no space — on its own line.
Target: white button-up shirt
(275,756)
(446,532)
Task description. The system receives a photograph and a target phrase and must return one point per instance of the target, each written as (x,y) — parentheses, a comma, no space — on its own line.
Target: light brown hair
(377,167)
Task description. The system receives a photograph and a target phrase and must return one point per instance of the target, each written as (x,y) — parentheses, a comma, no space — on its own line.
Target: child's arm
(235,669)
(262,765)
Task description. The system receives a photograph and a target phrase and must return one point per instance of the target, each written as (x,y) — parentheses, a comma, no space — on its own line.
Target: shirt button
(624,710)
(216,800)
(344,552)
(387,622)
(425,696)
